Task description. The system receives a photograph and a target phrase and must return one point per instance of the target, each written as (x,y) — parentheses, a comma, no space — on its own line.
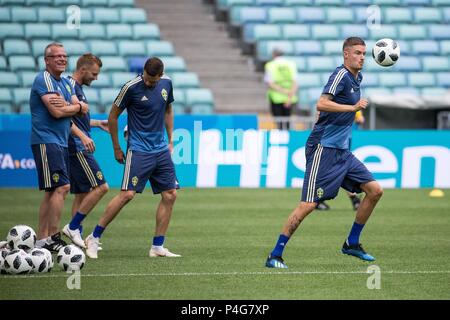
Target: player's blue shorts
(158,168)
(52,165)
(328,169)
(85,172)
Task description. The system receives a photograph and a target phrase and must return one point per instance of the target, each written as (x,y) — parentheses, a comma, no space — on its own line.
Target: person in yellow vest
(281,77)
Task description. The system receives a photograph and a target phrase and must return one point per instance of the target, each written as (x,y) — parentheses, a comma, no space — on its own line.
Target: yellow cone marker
(436,193)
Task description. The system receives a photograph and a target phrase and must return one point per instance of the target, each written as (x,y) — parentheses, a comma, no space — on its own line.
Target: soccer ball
(3,253)
(386,52)
(39,258)
(21,237)
(71,258)
(18,262)
(49,258)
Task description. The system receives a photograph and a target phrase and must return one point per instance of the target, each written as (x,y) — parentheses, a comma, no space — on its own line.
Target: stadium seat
(38,47)
(360,14)
(329,2)
(120,78)
(325,32)
(5,96)
(427,15)
(296,32)
(146,31)
(370,80)
(178,108)
(421,79)
(412,32)
(433,64)
(129,48)
(159,49)
(19,14)
(103,47)
(6,108)
(136,64)
(133,15)
(357,2)
(376,92)
(436,3)
(114,64)
(179,96)
(243,15)
(443,79)
(39,2)
(424,47)
(406,91)
(416,2)
(173,64)
(307,47)
(353,30)
(309,80)
(339,15)
(52,15)
(94,3)
(71,63)
(3,65)
(41,62)
(310,15)
(185,80)
(106,15)
(281,15)
(439,32)
(298,2)
(65,3)
(199,97)
(27,78)
(13,2)
(91,95)
(445,47)
(446,13)
(392,79)
(397,15)
(17,63)
(300,62)
(60,32)
(92,31)
(332,47)
(86,16)
(103,80)
(385,31)
(408,63)
(120,3)
(202,109)
(5,15)
(265,48)
(388,2)
(319,64)
(257,32)
(119,31)
(107,97)
(268,3)
(11,30)
(75,47)
(21,96)
(15,47)
(434,91)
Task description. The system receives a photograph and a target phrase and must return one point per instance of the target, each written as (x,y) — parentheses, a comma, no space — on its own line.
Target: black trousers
(279,110)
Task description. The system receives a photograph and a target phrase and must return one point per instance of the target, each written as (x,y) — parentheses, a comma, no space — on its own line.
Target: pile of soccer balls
(19,256)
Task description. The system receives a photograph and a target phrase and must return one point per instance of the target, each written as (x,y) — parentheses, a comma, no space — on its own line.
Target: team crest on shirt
(55,177)
(68,88)
(134,181)
(319,192)
(164,94)
(99,175)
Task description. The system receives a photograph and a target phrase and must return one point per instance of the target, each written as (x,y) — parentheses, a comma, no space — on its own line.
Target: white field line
(209,274)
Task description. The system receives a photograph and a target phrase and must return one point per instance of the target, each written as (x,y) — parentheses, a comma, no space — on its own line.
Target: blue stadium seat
(94,3)
(408,63)
(443,79)
(360,14)
(103,80)
(439,32)
(86,16)
(185,80)
(75,47)
(71,63)
(300,62)
(350,3)
(27,78)
(325,32)
(339,15)
(136,64)
(313,97)
(433,91)
(412,32)
(114,64)
(129,48)
(436,3)
(202,109)
(265,48)
(5,15)
(392,79)
(446,13)
(445,47)
(434,64)
(121,3)
(388,2)
(173,64)
(227,4)
(19,14)
(307,47)
(60,32)
(199,97)
(103,47)
(298,2)
(17,63)
(107,97)
(406,91)
(146,31)
(15,47)
(37,31)
(21,96)
(159,48)
(120,78)
(38,46)
(92,95)
(39,2)
(65,3)
(423,3)
(332,47)
(41,62)
(421,79)
(281,15)
(119,31)
(179,97)
(370,80)
(257,32)
(52,15)
(5,98)
(13,2)
(329,2)
(427,15)
(397,15)
(319,64)
(309,80)
(385,31)
(92,31)
(3,65)
(296,31)
(11,30)
(354,30)
(424,47)
(310,15)
(106,15)
(268,3)
(178,108)
(381,91)
(133,15)
(243,15)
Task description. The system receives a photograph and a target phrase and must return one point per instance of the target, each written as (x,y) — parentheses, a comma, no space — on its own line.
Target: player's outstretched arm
(327,104)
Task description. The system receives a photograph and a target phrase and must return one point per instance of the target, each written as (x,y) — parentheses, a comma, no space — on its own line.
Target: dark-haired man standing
(148,100)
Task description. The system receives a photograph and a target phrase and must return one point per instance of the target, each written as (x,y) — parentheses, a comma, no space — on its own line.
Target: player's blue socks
(353,237)
(98,231)
(158,241)
(279,247)
(76,220)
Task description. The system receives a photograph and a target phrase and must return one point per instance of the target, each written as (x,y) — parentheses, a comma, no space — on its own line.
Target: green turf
(225,235)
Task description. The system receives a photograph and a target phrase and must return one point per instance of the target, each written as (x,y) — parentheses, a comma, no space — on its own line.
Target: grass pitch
(225,235)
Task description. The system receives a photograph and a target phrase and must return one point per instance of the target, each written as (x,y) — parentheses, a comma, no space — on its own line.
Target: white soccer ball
(21,237)
(386,52)
(39,259)
(49,258)
(18,262)
(71,258)
(3,253)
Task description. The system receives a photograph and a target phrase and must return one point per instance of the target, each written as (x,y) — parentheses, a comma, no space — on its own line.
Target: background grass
(225,235)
